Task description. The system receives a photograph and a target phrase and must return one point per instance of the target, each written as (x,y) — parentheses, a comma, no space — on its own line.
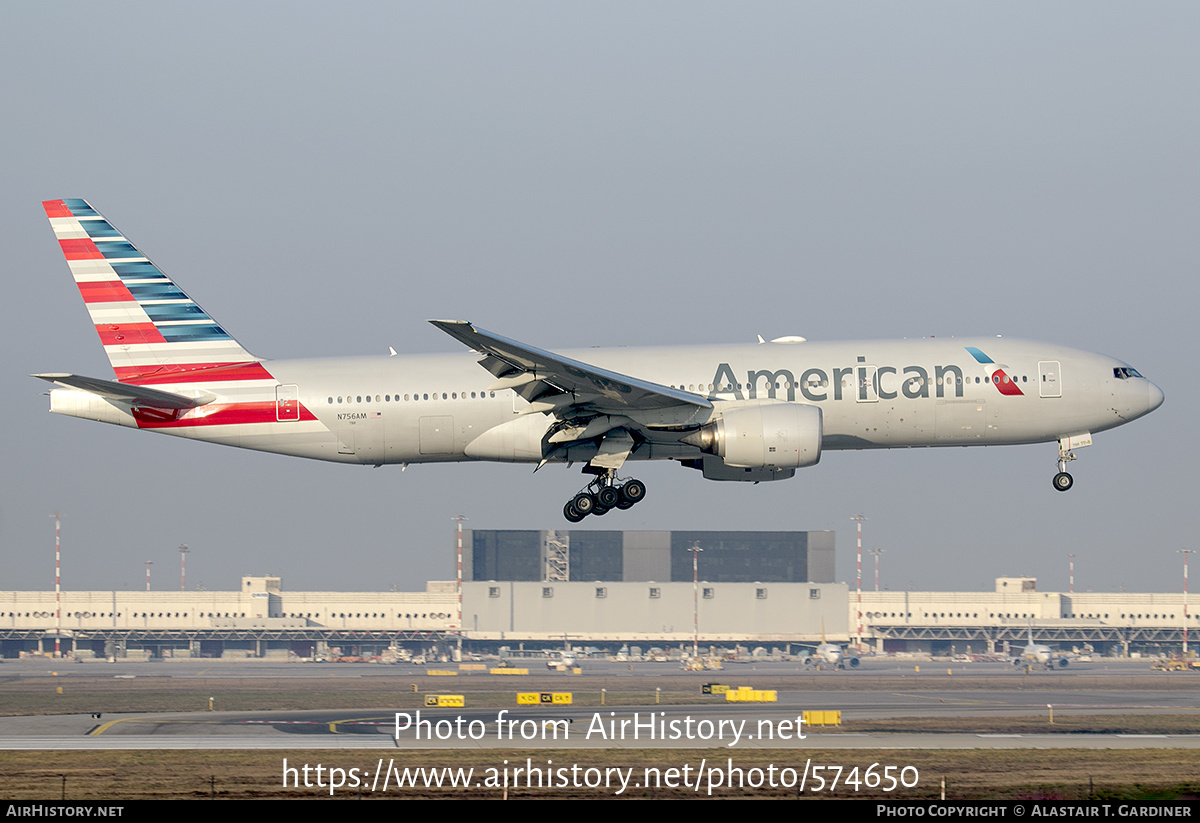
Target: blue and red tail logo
(996,374)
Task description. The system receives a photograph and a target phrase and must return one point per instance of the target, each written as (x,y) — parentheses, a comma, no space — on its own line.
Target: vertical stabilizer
(151,331)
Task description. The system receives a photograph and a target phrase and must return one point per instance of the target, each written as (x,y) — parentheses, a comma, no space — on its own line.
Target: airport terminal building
(595,588)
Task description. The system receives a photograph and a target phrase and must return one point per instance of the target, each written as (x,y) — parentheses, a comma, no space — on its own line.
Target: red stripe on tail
(127,334)
(56,208)
(105,291)
(81,248)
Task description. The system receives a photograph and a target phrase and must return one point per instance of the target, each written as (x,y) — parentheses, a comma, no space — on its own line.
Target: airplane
(562,661)
(745,412)
(830,654)
(826,653)
(1037,654)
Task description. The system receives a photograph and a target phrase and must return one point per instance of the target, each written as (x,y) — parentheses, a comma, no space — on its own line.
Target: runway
(988,690)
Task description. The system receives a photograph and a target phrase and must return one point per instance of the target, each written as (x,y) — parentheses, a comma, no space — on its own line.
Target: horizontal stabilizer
(140,396)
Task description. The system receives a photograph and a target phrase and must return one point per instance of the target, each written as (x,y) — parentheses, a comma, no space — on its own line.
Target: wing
(553,383)
(616,413)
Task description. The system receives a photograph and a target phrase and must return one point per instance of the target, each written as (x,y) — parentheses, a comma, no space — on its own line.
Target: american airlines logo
(996,374)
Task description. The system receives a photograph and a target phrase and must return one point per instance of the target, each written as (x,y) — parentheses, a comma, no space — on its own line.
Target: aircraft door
(1049,378)
(868,387)
(287,402)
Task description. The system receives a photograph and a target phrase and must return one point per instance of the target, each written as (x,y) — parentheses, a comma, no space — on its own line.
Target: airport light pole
(876,551)
(858,518)
(183,553)
(1185,553)
(695,550)
(459,518)
(57,585)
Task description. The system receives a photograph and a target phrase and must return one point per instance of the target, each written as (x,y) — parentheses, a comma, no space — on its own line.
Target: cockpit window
(1124,373)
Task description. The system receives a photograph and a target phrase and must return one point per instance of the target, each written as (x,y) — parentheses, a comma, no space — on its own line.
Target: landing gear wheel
(584,503)
(1063,481)
(633,491)
(605,493)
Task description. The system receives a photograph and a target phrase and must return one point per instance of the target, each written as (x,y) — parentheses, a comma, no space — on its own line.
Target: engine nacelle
(763,436)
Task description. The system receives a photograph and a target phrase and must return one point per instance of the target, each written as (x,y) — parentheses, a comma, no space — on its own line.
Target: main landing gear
(602,495)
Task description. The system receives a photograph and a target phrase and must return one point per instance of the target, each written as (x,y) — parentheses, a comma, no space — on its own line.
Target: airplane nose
(1155,399)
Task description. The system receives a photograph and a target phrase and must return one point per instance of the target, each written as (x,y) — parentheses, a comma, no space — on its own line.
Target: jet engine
(763,436)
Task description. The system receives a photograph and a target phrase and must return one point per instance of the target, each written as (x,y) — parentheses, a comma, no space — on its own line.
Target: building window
(493,591)
(547,591)
(655,593)
(709,593)
(601,591)
(814,594)
(760,594)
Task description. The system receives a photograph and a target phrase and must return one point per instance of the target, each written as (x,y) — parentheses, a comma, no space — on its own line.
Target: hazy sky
(323,178)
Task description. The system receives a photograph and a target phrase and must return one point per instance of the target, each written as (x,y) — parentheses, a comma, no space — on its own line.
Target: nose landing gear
(1062,480)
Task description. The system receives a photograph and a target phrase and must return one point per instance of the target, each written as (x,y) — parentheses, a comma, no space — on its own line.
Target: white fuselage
(871,394)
